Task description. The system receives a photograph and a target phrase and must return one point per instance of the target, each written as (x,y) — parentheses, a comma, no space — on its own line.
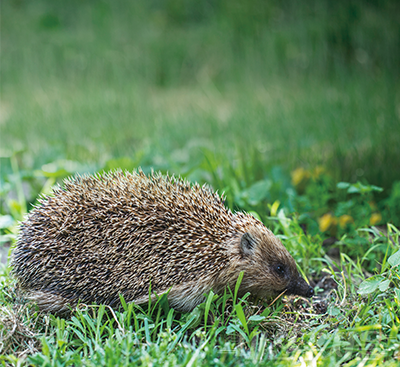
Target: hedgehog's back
(103,235)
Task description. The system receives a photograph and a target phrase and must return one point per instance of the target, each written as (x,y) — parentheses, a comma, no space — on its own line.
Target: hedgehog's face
(268,267)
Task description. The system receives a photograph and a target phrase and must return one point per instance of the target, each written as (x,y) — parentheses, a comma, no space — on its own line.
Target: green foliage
(389,276)
(391,205)
(346,206)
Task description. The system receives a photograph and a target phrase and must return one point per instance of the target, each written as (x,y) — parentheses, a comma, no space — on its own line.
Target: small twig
(279,296)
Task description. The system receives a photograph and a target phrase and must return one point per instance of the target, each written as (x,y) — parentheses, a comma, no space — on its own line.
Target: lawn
(292,110)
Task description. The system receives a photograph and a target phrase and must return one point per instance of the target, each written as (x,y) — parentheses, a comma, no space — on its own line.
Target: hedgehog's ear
(247,244)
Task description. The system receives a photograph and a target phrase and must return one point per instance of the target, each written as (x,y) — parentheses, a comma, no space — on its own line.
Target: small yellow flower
(344,219)
(375,219)
(298,175)
(326,221)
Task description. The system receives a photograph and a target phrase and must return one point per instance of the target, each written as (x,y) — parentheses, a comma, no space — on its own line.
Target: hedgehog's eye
(280,270)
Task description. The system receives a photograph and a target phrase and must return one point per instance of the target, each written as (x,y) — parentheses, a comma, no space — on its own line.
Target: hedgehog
(103,236)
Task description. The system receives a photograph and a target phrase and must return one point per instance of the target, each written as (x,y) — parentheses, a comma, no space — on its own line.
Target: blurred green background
(179,85)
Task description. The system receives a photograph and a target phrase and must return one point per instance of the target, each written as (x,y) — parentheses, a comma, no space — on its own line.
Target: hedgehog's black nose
(300,287)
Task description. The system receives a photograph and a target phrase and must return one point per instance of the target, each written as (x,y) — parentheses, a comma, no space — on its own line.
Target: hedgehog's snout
(300,287)
(310,292)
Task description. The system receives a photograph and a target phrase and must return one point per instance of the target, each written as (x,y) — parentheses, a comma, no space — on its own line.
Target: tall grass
(294,84)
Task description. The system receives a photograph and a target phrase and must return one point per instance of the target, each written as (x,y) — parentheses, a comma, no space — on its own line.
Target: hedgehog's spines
(109,233)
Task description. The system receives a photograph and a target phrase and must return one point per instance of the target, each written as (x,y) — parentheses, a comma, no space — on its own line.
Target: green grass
(292,85)
(291,109)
